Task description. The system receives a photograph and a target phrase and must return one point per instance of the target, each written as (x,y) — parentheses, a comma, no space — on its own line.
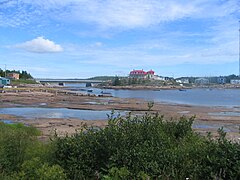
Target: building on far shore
(221,80)
(201,81)
(183,81)
(235,81)
(13,75)
(4,81)
(142,74)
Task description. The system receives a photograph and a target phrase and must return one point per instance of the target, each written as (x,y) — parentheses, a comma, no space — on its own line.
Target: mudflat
(207,118)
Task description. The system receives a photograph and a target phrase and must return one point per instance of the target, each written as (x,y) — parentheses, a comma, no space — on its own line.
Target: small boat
(182,89)
(105,92)
(61,84)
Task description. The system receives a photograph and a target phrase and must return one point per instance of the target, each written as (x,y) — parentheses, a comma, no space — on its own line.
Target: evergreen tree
(116,81)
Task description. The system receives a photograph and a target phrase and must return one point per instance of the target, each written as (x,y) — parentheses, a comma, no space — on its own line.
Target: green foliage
(138,81)
(36,169)
(23,81)
(18,146)
(117,174)
(103,78)
(150,105)
(14,140)
(132,147)
(22,74)
(146,147)
(116,81)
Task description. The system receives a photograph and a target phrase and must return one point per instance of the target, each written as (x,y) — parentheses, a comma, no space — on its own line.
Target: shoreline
(172,87)
(50,99)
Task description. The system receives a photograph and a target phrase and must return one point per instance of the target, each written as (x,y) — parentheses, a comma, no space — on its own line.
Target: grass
(23,81)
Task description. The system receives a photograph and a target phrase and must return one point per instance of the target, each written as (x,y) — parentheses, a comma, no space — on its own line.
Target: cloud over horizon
(40,45)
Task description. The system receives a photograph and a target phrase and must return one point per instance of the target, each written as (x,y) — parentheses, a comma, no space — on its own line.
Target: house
(221,80)
(150,74)
(13,75)
(168,78)
(183,81)
(138,74)
(4,81)
(142,74)
(160,78)
(201,81)
(235,81)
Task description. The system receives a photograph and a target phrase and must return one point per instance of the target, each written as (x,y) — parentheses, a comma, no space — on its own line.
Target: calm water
(7,121)
(30,112)
(203,97)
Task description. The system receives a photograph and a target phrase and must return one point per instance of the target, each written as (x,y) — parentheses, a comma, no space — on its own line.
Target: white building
(201,81)
(235,81)
(183,81)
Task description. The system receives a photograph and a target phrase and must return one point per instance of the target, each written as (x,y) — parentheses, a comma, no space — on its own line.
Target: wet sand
(75,101)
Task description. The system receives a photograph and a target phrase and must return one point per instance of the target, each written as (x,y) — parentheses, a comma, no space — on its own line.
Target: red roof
(151,72)
(138,72)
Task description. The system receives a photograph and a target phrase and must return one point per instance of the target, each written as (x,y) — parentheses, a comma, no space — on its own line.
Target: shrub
(146,146)
(23,156)
(36,169)
(14,141)
(132,147)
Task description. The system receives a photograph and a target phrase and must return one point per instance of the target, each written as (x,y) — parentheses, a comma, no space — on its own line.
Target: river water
(200,97)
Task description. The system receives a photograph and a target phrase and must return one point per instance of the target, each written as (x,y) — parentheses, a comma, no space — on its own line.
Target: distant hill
(103,78)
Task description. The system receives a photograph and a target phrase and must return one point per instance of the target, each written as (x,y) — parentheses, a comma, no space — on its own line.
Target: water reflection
(31,112)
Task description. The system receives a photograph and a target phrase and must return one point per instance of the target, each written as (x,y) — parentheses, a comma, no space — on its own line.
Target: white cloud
(98,44)
(40,45)
(126,14)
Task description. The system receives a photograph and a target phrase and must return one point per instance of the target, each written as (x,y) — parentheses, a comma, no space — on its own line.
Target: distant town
(141,77)
(135,77)
(232,79)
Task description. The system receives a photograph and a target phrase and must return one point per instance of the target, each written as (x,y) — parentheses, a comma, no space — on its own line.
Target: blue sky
(85,38)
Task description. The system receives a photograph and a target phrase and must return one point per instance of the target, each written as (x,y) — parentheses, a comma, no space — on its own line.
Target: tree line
(22,74)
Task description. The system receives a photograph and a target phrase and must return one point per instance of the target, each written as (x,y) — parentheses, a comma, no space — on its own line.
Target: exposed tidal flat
(49,110)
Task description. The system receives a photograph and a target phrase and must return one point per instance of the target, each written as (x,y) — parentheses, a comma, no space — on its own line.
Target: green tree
(116,81)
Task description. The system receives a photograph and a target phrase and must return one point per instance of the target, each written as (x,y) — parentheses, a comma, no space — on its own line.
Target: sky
(86,38)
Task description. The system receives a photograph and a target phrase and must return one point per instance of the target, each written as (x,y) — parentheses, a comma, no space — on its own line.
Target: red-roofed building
(141,74)
(151,72)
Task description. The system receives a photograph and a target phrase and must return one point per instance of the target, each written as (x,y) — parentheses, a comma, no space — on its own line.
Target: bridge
(68,81)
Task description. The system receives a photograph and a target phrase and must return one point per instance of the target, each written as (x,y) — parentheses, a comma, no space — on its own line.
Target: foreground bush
(14,141)
(22,156)
(147,147)
(144,147)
